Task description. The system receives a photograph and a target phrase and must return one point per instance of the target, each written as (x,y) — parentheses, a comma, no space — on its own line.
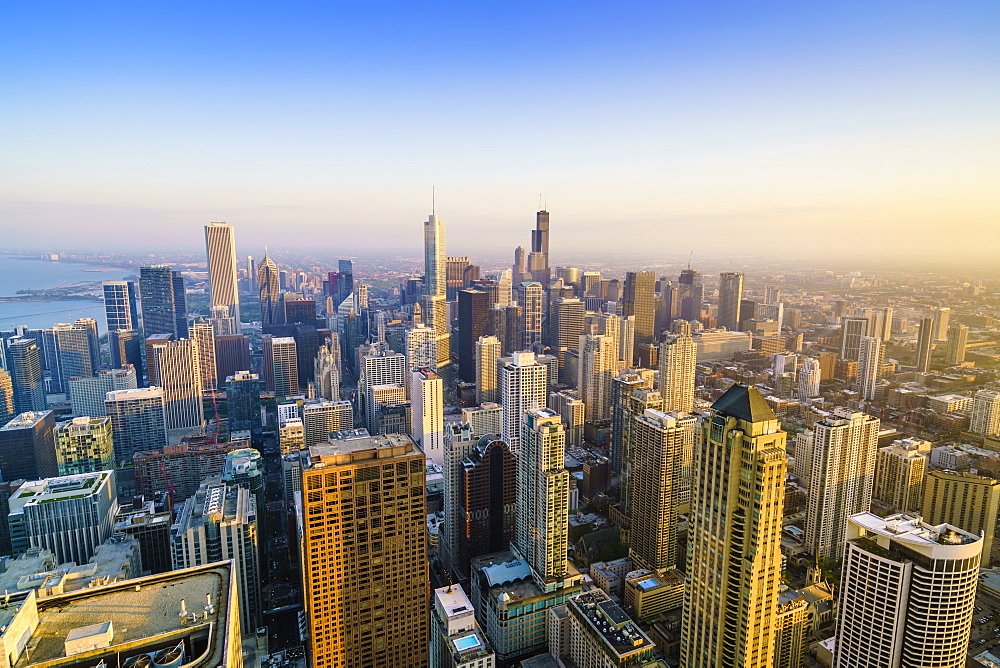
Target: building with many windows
(138,421)
(84,445)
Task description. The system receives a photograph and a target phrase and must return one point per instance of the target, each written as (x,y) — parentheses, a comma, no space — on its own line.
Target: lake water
(21,272)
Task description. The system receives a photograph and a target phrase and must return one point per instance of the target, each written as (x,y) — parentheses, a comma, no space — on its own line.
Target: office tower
(899,474)
(473,317)
(870,359)
(243,390)
(597,632)
(84,445)
(78,349)
(281,371)
(456,639)
(219,523)
(456,271)
(25,366)
(892,612)
(985,412)
(326,369)
(459,439)
(925,344)
(485,507)
(539,265)
(852,330)
(841,477)
(435,259)
(958,337)
(367,602)
(523,385)
(488,352)
(269,289)
(149,523)
(565,325)
(542,497)
(179,377)
(942,314)
(505,286)
(163,300)
(734,560)
(320,418)
(966,500)
(346,270)
(120,305)
(421,347)
(232,355)
(126,350)
(678,355)
(529,297)
(730,296)
(307,343)
(27,447)
(520,266)
(251,269)
(69,515)
(223,279)
(658,443)
(427,400)
(621,393)
(639,300)
(692,293)
(809,375)
(138,421)
(598,365)
(202,335)
(7,409)
(385,370)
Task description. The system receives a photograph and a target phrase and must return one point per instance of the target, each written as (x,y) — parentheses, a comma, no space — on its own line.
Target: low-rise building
(649,595)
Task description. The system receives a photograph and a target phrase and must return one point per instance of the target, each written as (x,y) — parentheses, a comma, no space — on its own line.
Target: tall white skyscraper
(204,340)
(427,401)
(223,279)
(942,315)
(421,347)
(435,258)
(986,412)
(870,357)
(598,365)
(505,287)
(383,378)
(907,593)
(529,296)
(678,355)
(523,383)
(841,477)
(179,375)
(488,350)
(809,377)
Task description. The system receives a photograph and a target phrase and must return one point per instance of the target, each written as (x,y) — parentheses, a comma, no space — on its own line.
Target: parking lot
(985,625)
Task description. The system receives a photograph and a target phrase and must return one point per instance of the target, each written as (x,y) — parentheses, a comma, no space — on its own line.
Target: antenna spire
(689,259)
(433,202)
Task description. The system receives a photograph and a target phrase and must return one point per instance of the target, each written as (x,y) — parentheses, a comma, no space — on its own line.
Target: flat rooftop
(611,623)
(356,444)
(913,530)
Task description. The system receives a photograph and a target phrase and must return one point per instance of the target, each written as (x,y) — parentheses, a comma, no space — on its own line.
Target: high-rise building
(435,258)
(120,306)
(565,325)
(243,391)
(366,598)
(678,355)
(899,474)
(986,412)
(456,639)
(730,296)
(7,409)
(149,523)
(599,633)
(459,439)
(281,369)
(219,523)
(126,350)
(223,277)
(269,290)
(473,318)
(942,315)
(27,447)
(84,445)
(138,421)
(539,264)
(25,365)
(871,356)
(598,366)
(852,330)
(488,352)
(179,377)
(966,500)
(958,338)
(164,301)
(69,515)
(892,611)
(523,385)
(529,297)
(692,293)
(78,349)
(639,300)
(383,373)
(203,336)
(809,376)
(541,533)
(925,344)
(180,469)
(321,418)
(421,347)
(734,556)
(841,477)
(658,441)
(232,355)
(326,369)
(621,412)
(485,502)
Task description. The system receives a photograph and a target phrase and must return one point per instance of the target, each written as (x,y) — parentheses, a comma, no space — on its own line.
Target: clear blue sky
(853,126)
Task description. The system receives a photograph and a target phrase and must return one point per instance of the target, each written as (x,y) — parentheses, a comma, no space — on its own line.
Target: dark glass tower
(164,304)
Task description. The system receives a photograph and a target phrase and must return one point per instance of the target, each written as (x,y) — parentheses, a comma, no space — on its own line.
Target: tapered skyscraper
(268,283)
(435,286)
(730,294)
(223,279)
(734,556)
(538,260)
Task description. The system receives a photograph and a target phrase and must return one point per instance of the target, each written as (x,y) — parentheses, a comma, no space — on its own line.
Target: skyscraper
(870,358)
(25,360)
(326,369)
(435,258)
(138,421)
(366,598)
(126,350)
(456,639)
(84,445)
(564,330)
(421,347)
(243,403)
(269,290)
(958,337)
(734,560)
(942,315)
(78,349)
(485,500)
(622,388)
(967,500)
(852,330)
(488,351)
(808,379)
(232,354)
(384,379)
(539,265)
(223,277)
(841,477)
(473,318)
(179,376)
(163,300)
(925,344)
(7,409)
(598,366)
(203,336)
(529,297)
(120,305)
(27,447)
(907,593)
(427,402)
(692,293)
(899,474)
(639,300)
(730,296)
(678,355)
(88,394)
(281,370)
(523,384)
(985,412)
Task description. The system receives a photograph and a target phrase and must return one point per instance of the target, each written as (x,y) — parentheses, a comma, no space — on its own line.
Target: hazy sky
(798,128)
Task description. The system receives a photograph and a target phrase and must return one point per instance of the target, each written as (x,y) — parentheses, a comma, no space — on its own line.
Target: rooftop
(356,442)
(62,488)
(912,530)
(610,622)
(25,420)
(744,403)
